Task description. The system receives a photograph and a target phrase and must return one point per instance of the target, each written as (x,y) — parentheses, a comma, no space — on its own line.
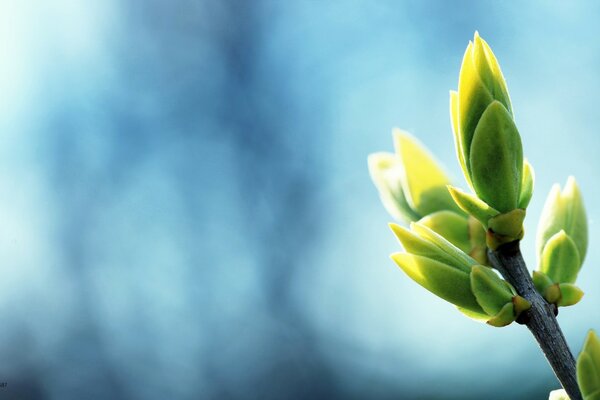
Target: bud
(561,244)
(564,210)
(588,367)
(488,143)
(449,273)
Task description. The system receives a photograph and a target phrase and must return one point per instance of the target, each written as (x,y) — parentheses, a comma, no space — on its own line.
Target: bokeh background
(185,208)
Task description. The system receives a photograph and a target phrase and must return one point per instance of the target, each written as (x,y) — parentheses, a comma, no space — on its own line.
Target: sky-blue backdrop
(185,208)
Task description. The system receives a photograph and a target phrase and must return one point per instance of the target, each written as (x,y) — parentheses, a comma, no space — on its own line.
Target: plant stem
(540,319)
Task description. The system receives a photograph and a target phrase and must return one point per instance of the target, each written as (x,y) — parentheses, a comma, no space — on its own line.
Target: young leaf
(496,159)
(449,283)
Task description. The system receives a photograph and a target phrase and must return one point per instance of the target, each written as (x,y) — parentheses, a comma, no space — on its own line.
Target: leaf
(450,284)
(560,259)
(473,98)
(489,290)
(451,226)
(541,281)
(424,181)
(587,374)
(504,317)
(460,258)
(526,185)
(508,224)
(457,141)
(496,159)
(386,173)
(569,295)
(415,244)
(476,316)
(575,218)
(473,205)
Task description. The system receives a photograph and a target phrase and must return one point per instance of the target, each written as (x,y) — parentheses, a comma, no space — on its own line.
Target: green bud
(487,142)
(562,241)
(479,84)
(564,210)
(447,282)
(588,367)
(489,146)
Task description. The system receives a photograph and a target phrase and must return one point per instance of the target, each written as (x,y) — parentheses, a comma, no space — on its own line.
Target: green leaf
(569,295)
(459,257)
(489,290)
(451,226)
(560,259)
(473,98)
(504,317)
(473,205)
(480,82)
(489,70)
(415,244)
(449,283)
(496,159)
(457,141)
(508,224)
(541,281)
(386,173)
(424,181)
(476,316)
(575,218)
(526,185)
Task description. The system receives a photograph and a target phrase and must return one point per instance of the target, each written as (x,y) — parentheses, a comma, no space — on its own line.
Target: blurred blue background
(185,208)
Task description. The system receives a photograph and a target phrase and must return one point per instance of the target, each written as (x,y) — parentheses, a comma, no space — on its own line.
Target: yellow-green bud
(588,367)
(488,144)
(564,211)
(561,245)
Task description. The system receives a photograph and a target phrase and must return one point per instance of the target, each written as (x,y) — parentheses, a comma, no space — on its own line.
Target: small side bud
(588,366)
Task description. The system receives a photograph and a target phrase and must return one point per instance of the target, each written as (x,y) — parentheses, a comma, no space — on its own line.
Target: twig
(540,319)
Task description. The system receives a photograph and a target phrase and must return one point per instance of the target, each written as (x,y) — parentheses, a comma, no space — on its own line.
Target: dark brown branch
(540,319)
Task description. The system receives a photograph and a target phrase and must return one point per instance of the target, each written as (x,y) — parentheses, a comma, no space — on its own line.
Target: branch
(540,319)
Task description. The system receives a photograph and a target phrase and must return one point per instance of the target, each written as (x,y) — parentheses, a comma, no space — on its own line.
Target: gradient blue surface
(185,208)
